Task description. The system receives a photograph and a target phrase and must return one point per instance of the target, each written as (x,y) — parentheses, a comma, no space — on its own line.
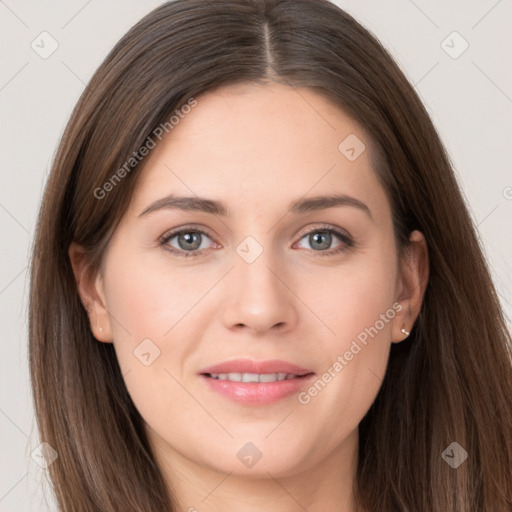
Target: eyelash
(346,240)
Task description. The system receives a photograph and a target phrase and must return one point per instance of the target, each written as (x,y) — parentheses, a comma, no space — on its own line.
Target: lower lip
(258,393)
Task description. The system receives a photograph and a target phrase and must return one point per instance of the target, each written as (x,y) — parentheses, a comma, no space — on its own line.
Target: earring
(101,329)
(405,332)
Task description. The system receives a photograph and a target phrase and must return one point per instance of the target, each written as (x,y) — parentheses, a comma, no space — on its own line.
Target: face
(267,279)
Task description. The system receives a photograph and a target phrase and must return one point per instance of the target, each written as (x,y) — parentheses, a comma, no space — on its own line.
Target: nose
(260,296)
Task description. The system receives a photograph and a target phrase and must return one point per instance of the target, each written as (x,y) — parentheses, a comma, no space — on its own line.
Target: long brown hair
(451,381)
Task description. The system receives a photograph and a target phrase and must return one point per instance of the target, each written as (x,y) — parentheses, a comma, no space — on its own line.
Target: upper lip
(249,366)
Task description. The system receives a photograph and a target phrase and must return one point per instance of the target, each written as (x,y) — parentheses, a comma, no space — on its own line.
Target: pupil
(190,240)
(317,238)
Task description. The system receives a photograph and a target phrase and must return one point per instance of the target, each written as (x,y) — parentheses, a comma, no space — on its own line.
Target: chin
(256,459)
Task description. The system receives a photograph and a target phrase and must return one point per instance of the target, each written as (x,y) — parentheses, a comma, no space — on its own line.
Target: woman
(255,282)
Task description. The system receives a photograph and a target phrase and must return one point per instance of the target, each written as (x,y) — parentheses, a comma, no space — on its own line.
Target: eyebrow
(299,206)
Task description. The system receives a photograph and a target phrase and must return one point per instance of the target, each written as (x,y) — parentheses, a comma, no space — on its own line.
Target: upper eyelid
(325,227)
(177,231)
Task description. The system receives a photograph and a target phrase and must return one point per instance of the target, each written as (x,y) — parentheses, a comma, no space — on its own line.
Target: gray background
(468,97)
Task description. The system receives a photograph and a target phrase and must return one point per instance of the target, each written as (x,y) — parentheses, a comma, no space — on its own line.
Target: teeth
(253,377)
(250,377)
(268,377)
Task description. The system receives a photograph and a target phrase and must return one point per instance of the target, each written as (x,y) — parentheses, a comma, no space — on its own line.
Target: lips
(256,383)
(255,367)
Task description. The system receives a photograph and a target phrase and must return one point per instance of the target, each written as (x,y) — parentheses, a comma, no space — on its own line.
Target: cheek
(148,300)
(156,325)
(357,306)
(352,297)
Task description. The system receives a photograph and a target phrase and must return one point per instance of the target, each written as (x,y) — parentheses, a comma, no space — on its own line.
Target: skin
(257,148)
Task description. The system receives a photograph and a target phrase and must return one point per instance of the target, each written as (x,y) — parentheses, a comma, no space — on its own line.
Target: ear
(90,288)
(413,279)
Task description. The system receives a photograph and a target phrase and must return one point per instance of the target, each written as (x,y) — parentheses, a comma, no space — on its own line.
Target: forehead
(253,144)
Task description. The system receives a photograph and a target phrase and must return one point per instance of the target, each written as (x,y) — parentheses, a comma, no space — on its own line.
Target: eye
(321,240)
(186,242)
(192,241)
